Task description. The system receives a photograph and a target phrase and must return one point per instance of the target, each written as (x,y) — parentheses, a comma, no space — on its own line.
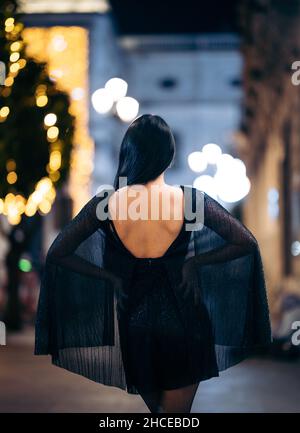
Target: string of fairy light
(13,205)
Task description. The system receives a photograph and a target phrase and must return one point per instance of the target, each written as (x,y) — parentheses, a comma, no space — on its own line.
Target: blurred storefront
(269,141)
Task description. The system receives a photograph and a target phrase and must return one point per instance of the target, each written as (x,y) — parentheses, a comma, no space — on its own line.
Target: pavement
(31,383)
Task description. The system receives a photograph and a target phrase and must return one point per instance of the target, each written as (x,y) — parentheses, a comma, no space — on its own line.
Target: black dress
(146,325)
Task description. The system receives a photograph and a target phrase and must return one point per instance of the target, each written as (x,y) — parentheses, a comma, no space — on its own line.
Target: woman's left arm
(239,242)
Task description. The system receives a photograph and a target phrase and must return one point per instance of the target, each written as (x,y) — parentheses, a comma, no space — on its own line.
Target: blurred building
(269,139)
(192,81)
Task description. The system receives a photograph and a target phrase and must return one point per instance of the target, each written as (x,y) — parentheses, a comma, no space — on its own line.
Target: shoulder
(97,206)
(116,201)
(192,189)
(193,195)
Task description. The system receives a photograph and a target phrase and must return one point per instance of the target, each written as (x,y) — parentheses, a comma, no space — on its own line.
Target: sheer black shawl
(88,272)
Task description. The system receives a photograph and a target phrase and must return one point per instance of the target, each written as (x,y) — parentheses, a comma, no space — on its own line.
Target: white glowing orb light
(102,101)
(127,108)
(295,249)
(234,167)
(212,152)
(230,179)
(197,161)
(77,93)
(59,43)
(50,119)
(207,184)
(56,73)
(239,167)
(224,161)
(117,88)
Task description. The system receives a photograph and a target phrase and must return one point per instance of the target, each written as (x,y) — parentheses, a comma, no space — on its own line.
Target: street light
(112,97)
(127,108)
(117,88)
(229,183)
(197,161)
(212,152)
(102,101)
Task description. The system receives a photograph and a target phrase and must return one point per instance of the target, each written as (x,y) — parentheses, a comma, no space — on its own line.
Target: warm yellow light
(41,100)
(52,133)
(8,202)
(4,111)
(22,63)
(59,43)
(18,27)
(20,199)
(14,57)
(36,197)
(14,68)
(9,21)
(10,28)
(55,160)
(44,185)
(56,73)
(9,81)
(20,203)
(30,208)
(51,194)
(13,206)
(12,210)
(45,206)
(14,218)
(41,89)
(15,46)
(56,145)
(54,176)
(12,177)
(70,72)
(50,119)
(10,165)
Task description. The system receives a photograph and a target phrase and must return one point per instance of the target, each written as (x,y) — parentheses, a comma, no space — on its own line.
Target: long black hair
(147,150)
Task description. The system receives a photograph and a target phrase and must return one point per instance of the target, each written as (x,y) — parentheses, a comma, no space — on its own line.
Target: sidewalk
(30,383)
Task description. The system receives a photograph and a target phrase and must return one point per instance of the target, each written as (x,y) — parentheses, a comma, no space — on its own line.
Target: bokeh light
(50,119)
(117,88)
(102,101)
(197,161)
(207,184)
(127,108)
(212,152)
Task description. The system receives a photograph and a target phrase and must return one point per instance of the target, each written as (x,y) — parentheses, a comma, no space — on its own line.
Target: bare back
(147,221)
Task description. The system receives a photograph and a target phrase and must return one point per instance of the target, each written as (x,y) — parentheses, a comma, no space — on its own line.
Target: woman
(152,288)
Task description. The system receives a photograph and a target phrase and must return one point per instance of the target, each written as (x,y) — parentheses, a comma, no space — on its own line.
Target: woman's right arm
(62,250)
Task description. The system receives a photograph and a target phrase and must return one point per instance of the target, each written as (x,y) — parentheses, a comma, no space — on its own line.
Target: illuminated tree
(36,133)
